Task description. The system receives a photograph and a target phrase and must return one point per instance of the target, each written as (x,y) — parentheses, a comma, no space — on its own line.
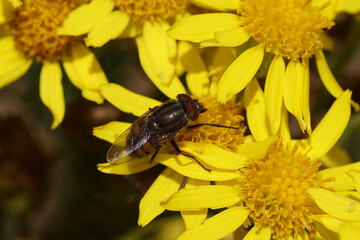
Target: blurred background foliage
(49,185)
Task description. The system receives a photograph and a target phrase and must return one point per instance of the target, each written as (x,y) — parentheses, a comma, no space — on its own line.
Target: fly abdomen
(143,151)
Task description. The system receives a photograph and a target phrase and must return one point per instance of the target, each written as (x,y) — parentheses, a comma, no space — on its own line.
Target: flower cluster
(242,173)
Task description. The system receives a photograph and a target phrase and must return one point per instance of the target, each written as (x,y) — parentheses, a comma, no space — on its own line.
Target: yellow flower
(147,22)
(215,148)
(288,29)
(31,36)
(283,194)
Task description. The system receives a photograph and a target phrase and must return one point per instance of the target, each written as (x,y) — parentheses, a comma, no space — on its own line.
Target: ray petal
(217,5)
(214,155)
(336,120)
(255,111)
(201,27)
(127,101)
(328,78)
(261,232)
(197,76)
(194,218)
(110,131)
(190,168)
(85,72)
(218,226)
(80,20)
(110,27)
(194,199)
(7,11)
(13,64)
(157,50)
(336,205)
(51,91)
(273,92)
(164,186)
(240,73)
(293,91)
(342,181)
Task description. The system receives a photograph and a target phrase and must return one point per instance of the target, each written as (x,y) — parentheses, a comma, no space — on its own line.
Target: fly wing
(126,143)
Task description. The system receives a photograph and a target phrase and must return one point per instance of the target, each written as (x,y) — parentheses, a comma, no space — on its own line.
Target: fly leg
(154,154)
(178,151)
(210,124)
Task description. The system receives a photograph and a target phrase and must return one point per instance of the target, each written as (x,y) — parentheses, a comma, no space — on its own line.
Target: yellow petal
(218,226)
(261,232)
(126,100)
(194,218)
(164,186)
(214,156)
(133,29)
(7,11)
(80,20)
(201,27)
(336,205)
(126,168)
(328,78)
(12,64)
(256,150)
(218,60)
(293,91)
(110,131)
(348,6)
(194,199)
(15,3)
(331,127)
(158,51)
(273,92)
(240,73)
(284,130)
(328,221)
(84,71)
(255,111)
(232,38)
(351,194)
(350,230)
(108,27)
(217,5)
(342,180)
(197,76)
(336,156)
(355,175)
(324,233)
(306,98)
(190,168)
(51,91)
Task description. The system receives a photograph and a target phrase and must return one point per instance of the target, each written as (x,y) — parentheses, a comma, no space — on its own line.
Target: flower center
(274,188)
(226,114)
(35,25)
(151,10)
(290,28)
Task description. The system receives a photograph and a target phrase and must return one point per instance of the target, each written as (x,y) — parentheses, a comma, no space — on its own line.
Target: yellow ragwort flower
(288,29)
(147,22)
(31,35)
(215,148)
(283,194)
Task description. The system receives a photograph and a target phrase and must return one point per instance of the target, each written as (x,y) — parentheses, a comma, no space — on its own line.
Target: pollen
(225,114)
(274,189)
(35,26)
(289,28)
(151,10)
